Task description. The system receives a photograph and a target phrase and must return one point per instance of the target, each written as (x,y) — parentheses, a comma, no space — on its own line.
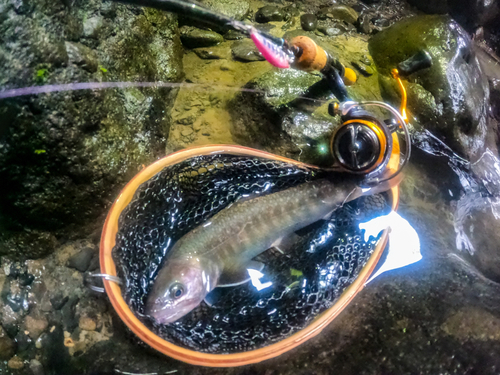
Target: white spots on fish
(404,243)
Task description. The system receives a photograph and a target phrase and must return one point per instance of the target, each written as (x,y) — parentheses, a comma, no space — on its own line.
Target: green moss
(41,76)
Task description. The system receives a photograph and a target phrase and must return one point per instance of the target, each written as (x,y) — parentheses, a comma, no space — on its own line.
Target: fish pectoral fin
(238,275)
(284,244)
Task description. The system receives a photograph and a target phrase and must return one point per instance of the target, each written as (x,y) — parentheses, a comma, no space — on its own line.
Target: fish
(219,252)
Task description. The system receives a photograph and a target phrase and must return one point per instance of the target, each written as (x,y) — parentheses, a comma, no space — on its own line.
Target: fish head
(181,285)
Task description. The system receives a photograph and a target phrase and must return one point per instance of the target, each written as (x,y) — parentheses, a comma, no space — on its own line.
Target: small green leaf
(295,272)
(103,69)
(404,330)
(38,152)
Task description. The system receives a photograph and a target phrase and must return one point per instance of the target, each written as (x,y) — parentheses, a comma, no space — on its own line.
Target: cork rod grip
(312,58)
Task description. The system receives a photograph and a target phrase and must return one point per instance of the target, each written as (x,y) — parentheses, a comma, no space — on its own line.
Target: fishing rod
(300,53)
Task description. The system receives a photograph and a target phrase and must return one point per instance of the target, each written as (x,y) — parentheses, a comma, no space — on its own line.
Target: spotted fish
(220,251)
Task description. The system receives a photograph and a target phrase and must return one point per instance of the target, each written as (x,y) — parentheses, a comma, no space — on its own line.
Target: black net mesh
(307,279)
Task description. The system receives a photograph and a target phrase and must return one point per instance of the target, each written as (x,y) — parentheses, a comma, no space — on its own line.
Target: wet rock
(87,324)
(24,342)
(192,37)
(7,348)
(269,13)
(36,367)
(35,243)
(92,27)
(15,363)
(62,155)
(26,279)
(233,35)
(69,319)
(236,9)
(35,326)
(332,28)
(81,55)
(58,301)
(341,13)
(364,24)
(81,260)
(308,22)
(245,50)
(213,53)
(363,68)
(450,98)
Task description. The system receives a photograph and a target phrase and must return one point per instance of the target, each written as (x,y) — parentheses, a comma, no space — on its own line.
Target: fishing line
(46,89)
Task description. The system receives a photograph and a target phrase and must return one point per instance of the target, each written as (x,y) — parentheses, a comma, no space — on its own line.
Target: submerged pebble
(15,363)
(341,13)
(81,260)
(7,348)
(35,326)
(245,50)
(213,53)
(269,13)
(192,37)
(308,22)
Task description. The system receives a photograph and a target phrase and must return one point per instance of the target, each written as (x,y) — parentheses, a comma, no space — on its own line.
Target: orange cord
(395,74)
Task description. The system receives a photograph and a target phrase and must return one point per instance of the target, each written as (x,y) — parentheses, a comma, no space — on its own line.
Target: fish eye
(176,290)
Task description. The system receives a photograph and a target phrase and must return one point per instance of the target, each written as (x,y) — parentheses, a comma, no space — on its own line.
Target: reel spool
(365,145)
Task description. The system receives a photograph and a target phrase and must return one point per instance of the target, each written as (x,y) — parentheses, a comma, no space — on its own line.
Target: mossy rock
(64,156)
(450,98)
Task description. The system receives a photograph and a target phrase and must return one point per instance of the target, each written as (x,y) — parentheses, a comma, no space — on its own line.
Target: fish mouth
(165,314)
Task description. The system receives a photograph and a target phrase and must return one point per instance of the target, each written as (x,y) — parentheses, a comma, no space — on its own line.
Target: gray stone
(192,37)
(58,301)
(213,53)
(341,13)
(81,55)
(245,50)
(236,9)
(308,22)
(92,27)
(69,318)
(233,35)
(81,260)
(7,348)
(269,13)
(364,24)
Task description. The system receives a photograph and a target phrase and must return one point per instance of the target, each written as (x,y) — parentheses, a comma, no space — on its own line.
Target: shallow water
(66,155)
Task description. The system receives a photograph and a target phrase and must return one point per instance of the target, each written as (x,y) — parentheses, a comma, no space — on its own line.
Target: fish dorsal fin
(238,275)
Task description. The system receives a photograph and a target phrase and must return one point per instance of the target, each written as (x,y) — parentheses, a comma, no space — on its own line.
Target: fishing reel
(364,144)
